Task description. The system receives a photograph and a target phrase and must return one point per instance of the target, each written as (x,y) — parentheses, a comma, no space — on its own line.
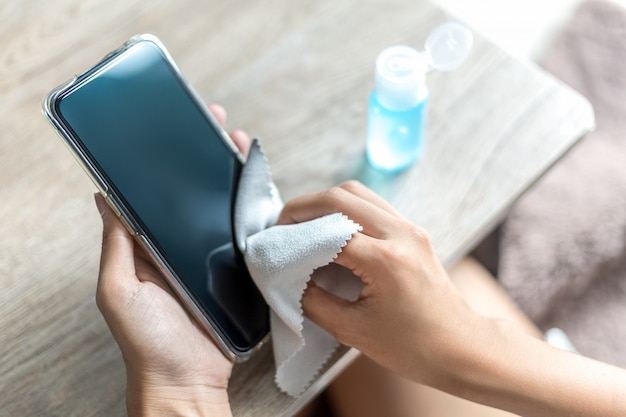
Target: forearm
(501,366)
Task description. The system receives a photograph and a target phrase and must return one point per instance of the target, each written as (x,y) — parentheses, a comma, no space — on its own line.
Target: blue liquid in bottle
(397,110)
(395,137)
(397,106)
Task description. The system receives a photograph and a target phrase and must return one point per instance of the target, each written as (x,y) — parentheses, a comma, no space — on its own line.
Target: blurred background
(49,228)
(523,28)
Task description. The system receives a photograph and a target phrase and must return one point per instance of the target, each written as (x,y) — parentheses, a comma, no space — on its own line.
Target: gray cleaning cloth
(281,260)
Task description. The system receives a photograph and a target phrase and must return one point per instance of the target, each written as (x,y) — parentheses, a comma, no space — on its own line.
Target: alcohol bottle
(398,103)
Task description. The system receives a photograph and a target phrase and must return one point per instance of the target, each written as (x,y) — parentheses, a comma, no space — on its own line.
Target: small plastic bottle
(398,104)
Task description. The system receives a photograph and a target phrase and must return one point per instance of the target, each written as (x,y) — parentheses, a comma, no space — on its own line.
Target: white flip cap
(401,70)
(448,46)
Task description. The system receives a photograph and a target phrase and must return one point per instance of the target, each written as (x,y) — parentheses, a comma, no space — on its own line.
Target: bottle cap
(448,46)
(401,70)
(400,77)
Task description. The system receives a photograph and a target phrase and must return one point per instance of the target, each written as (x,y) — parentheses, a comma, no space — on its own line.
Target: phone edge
(123,214)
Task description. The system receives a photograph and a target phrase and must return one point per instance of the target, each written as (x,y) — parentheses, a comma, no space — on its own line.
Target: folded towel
(281,260)
(563,249)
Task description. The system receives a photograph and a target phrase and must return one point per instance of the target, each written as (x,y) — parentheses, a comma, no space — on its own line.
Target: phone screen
(171,168)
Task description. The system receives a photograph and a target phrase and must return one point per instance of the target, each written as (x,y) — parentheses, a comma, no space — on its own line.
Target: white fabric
(281,260)
(558,338)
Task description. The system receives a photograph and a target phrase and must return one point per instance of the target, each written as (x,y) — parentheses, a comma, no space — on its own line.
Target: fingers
(219,113)
(365,210)
(327,310)
(366,193)
(242,141)
(239,137)
(361,256)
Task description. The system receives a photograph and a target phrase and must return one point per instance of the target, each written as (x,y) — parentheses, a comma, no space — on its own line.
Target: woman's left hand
(171,363)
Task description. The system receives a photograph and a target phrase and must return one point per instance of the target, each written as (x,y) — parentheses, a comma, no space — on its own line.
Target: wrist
(501,366)
(145,398)
(467,356)
(475,368)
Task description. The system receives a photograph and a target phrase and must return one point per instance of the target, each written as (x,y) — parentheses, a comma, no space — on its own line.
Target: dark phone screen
(172,169)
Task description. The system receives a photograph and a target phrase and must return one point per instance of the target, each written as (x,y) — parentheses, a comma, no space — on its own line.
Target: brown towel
(563,247)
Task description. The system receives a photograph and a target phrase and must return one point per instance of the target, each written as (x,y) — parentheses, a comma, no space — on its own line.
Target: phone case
(50,111)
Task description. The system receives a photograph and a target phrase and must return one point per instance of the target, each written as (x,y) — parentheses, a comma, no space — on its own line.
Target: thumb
(117,259)
(328,311)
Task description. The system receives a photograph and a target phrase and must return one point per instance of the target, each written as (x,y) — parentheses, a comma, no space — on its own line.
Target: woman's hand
(172,365)
(410,319)
(408,315)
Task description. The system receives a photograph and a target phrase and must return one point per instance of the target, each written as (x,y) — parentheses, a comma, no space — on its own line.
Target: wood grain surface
(297,74)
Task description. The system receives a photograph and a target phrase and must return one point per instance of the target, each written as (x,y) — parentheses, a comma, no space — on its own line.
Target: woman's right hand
(408,317)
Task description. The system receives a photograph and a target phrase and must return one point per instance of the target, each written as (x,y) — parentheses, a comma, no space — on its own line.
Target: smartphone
(170,173)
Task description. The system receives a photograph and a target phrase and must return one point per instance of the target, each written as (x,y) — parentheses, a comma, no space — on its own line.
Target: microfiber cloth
(281,260)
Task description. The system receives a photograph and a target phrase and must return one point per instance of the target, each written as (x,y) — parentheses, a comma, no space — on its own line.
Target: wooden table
(297,74)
